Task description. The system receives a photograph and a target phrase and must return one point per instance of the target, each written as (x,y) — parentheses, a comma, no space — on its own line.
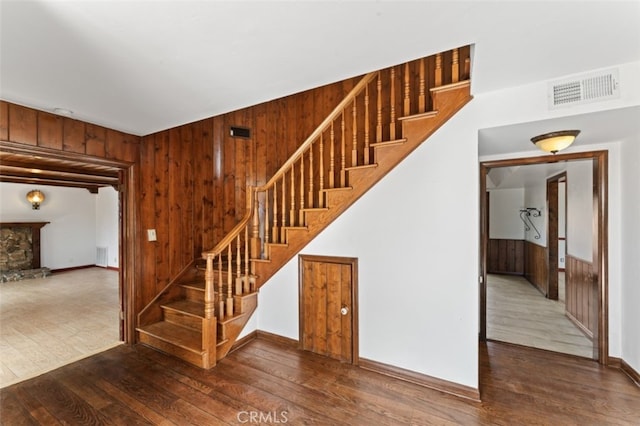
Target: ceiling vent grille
(584,89)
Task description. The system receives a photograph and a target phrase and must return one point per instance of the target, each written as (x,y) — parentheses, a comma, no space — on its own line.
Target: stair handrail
(252,190)
(357,89)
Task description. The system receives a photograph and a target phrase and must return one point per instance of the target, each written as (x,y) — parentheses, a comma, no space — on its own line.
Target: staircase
(200,314)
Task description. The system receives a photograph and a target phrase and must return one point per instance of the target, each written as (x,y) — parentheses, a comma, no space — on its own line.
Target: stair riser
(194,295)
(199,360)
(182,319)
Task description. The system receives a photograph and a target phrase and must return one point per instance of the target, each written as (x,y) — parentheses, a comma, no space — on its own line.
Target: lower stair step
(182,342)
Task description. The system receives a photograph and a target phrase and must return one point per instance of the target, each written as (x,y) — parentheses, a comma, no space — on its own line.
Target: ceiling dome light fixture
(555,141)
(35,197)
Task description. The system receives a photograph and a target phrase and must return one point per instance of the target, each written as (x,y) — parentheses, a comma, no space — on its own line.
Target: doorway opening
(593,280)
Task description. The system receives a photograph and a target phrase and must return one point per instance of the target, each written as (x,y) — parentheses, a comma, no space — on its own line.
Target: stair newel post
(379,112)
(366,125)
(332,167)
(343,153)
(392,95)
(321,179)
(229,303)
(209,328)
(276,232)
(302,190)
(256,243)
(354,132)
(422,103)
(455,67)
(438,71)
(246,260)
(292,210)
(221,311)
(238,266)
(407,98)
(284,209)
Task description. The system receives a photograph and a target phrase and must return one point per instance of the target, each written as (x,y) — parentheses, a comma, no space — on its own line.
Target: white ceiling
(143,66)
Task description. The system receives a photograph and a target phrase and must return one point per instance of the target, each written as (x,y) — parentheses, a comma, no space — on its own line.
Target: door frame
(553,232)
(351,261)
(600,258)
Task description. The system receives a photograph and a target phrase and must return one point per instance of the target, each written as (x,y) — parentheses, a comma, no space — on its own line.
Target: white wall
(79,221)
(69,239)
(419,275)
(631,253)
(535,196)
(504,213)
(107,225)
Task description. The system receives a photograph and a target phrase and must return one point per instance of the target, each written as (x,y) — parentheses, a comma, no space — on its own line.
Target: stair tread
(362,167)
(315,209)
(187,307)
(388,143)
(196,285)
(185,337)
(344,188)
(417,116)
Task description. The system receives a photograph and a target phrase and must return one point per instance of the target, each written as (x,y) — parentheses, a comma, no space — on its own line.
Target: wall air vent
(240,132)
(585,88)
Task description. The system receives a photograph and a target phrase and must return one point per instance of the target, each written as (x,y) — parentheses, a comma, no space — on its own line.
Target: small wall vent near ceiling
(585,88)
(240,132)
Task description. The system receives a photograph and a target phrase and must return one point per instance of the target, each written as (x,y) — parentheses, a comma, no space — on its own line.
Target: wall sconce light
(35,197)
(555,141)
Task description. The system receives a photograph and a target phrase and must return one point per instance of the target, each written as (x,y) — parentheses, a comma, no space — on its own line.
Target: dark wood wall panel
(505,256)
(536,270)
(581,294)
(198,175)
(45,130)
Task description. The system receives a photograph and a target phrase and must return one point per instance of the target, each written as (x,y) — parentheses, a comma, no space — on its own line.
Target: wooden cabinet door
(328,320)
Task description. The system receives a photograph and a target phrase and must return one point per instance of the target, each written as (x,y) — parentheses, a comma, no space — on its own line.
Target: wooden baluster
(247,288)
(229,282)
(221,310)
(321,180)
(422,102)
(302,196)
(266,220)
(256,243)
(292,210)
(467,68)
(354,131)
(276,230)
(407,99)
(238,266)
(284,210)
(343,154)
(332,169)
(455,67)
(438,72)
(209,289)
(379,119)
(311,195)
(366,125)
(392,125)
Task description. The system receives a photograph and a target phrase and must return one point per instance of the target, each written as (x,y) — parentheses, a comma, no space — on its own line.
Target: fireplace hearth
(20,251)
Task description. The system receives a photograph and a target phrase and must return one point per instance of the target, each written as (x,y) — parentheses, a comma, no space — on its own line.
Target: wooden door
(328,309)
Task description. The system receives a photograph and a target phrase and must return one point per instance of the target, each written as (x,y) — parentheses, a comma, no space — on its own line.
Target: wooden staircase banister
(318,131)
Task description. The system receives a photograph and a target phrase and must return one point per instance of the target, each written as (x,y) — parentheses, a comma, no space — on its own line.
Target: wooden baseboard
(629,371)
(278,339)
(113,268)
(243,341)
(421,379)
(73,268)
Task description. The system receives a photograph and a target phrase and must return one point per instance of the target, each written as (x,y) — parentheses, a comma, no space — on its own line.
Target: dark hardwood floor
(273,383)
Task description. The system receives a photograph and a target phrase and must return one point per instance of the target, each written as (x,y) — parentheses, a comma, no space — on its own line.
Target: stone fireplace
(20,251)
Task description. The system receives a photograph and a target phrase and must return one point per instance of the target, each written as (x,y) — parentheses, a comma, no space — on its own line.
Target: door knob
(344,310)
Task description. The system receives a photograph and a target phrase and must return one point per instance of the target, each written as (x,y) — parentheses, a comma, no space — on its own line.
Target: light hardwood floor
(50,322)
(518,313)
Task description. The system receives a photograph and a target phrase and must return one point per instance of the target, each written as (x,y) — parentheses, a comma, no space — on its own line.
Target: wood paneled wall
(28,126)
(505,256)
(581,294)
(194,177)
(536,269)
